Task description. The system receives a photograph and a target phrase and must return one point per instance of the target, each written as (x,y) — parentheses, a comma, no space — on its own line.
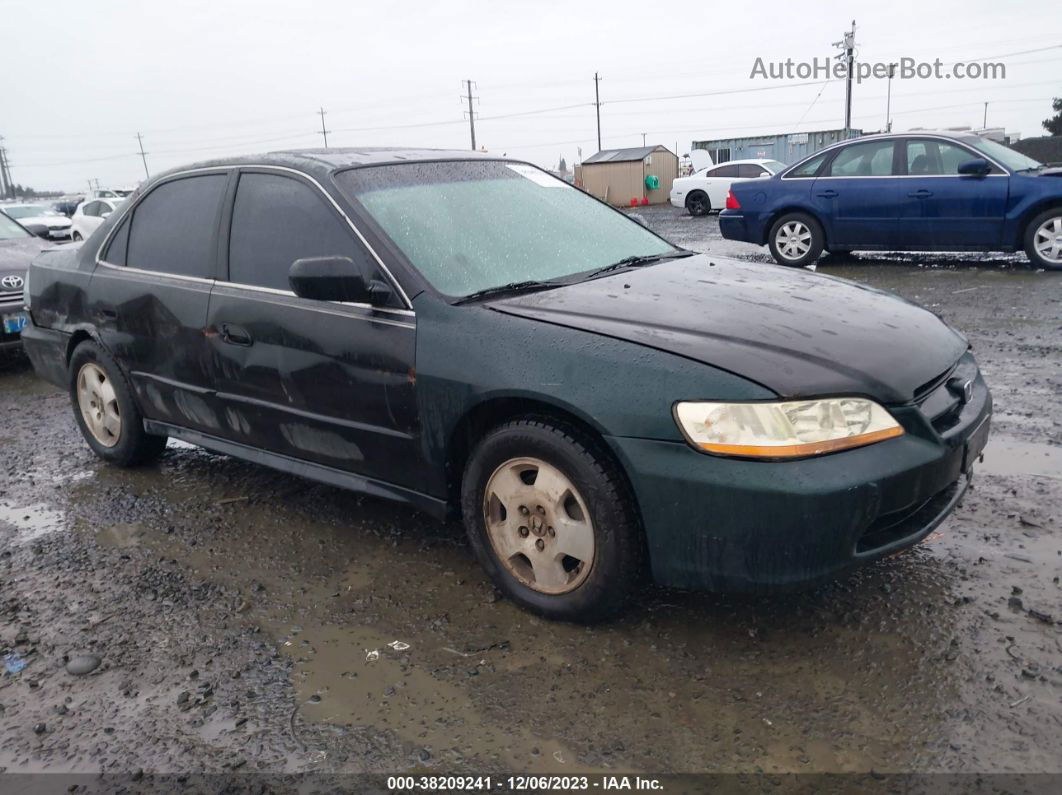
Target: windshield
(29,211)
(9,230)
(468,226)
(774,166)
(1013,160)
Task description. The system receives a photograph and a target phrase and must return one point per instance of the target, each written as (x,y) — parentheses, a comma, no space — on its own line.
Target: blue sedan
(909,192)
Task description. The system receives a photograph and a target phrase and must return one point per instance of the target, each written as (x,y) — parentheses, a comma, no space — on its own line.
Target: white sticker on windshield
(536,176)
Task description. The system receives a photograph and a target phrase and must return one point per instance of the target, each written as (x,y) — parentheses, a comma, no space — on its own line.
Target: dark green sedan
(471,336)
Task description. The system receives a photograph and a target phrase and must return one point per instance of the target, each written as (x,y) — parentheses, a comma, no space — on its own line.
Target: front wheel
(1043,239)
(796,240)
(105,411)
(76,237)
(552,521)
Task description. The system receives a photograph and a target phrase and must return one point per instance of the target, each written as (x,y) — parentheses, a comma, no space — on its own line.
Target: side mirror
(336,279)
(977,167)
(765,175)
(40,230)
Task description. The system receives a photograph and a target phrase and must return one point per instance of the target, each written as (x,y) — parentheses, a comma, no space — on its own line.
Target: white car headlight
(787,429)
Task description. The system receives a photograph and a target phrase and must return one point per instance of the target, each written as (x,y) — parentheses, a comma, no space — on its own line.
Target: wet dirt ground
(248,621)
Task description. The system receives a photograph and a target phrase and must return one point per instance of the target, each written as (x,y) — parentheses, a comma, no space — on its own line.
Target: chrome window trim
(163,274)
(290,294)
(324,307)
(894,137)
(264,166)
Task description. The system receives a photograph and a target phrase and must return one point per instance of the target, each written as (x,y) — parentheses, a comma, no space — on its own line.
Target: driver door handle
(920,194)
(236,335)
(827,194)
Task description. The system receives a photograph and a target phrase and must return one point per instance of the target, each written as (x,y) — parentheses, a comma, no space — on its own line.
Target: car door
(858,197)
(944,209)
(717,184)
(149,293)
(322,381)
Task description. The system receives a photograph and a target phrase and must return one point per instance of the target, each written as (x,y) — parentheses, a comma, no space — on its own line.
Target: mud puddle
(1013,457)
(32,521)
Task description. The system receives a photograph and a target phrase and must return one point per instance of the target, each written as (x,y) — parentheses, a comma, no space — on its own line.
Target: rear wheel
(796,240)
(105,411)
(1043,239)
(551,520)
(698,204)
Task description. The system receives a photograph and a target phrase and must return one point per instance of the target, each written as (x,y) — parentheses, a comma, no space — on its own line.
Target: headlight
(789,429)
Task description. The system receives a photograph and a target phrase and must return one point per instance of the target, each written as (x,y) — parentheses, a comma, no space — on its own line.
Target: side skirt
(304,469)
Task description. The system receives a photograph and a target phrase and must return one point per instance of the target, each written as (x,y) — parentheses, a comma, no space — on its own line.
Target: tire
(105,411)
(1043,240)
(698,203)
(793,227)
(587,497)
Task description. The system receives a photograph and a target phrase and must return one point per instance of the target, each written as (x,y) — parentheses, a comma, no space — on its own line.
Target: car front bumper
(741,525)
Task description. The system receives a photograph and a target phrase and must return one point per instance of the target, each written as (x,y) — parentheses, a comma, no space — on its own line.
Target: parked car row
(903,192)
(40,218)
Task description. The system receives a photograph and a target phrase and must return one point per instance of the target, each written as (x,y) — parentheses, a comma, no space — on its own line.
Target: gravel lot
(245,620)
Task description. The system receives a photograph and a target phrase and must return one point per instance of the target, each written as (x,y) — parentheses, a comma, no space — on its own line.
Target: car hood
(51,221)
(15,255)
(795,332)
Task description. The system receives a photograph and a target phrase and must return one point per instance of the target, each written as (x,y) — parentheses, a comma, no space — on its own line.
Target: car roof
(321,162)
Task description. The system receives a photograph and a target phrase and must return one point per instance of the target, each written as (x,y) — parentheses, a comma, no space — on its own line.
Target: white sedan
(89,215)
(57,224)
(706,190)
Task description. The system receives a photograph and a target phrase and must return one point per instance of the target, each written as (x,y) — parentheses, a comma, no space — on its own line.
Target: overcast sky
(203,79)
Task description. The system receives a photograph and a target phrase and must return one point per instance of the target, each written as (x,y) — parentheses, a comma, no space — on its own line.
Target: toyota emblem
(12,282)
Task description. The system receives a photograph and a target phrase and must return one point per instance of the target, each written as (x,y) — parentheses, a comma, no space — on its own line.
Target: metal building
(619,175)
(787,148)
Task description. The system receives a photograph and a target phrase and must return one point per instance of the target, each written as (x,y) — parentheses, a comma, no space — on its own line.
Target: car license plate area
(13,324)
(975,445)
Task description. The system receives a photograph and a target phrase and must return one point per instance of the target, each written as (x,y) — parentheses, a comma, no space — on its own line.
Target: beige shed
(619,175)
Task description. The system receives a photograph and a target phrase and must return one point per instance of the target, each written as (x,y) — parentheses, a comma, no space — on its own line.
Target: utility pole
(643,139)
(471,114)
(888,99)
(847,45)
(3,171)
(984,122)
(597,104)
(143,154)
(324,132)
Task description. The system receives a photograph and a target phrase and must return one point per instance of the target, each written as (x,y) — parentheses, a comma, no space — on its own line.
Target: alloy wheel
(793,240)
(99,405)
(1047,240)
(539,525)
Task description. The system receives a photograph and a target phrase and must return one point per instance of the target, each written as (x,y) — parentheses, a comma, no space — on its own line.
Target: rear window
(809,168)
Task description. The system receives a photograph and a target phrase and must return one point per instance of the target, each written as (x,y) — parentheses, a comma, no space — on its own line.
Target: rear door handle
(236,335)
(827,194)
(920,194)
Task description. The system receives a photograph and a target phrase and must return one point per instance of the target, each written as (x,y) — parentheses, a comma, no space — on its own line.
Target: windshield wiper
(511,287)
(638,260)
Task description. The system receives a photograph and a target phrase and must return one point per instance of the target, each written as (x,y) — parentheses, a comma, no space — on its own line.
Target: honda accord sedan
(473,337)
(915,191)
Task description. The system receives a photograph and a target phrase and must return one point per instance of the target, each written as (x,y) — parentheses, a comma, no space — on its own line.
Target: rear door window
(723,171)
(870,159)
(173,229)
(277,220)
